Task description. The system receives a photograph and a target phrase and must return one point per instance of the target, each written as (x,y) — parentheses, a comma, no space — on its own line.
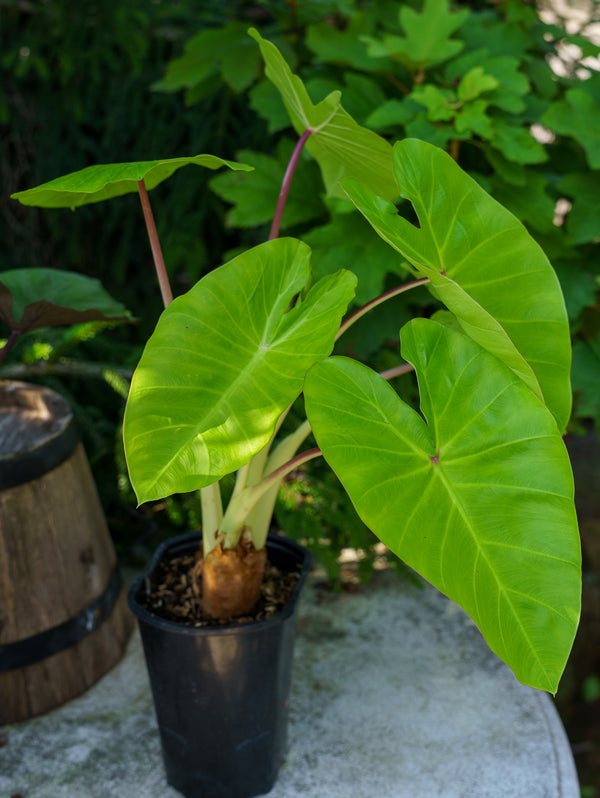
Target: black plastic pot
(221,693)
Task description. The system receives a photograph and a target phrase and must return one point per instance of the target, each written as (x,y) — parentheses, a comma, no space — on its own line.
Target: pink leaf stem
(287,182)
(159,262)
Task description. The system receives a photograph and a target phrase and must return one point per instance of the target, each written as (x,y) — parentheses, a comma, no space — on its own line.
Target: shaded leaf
(474,83)
(529,202)
(586,378)
(578,286)
(583,219)
(34,298)
(477,496)
(255,200)
(427,36)
(517,144)
(440,103)
(394,112)
(361,94)
(225,50)
(266,101)
(578,115)
(472,118)
(331,45)
(348,241)
(511,83)
(436,134)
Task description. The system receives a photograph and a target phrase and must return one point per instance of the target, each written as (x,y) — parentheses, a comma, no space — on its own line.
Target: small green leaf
(517,144)
(348,241)
(224,51)
(474,83)
(476,495)
(487,30)
(331,45)
(586,378)
(432,132)
(511,83)
(394,112)
(361,94)
(472,117)
(255,199)
(427,36)
(266,101)
(441,104)
(224,362)
(583,220)
(483,265)
(578,286)
(530,202)
(340,146)
(578,115)
(101,182)
(34,298)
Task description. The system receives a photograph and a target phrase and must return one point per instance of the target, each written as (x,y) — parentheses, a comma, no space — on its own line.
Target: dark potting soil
(171,594)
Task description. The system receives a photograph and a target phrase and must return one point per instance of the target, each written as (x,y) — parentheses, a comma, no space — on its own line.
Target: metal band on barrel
(33,649)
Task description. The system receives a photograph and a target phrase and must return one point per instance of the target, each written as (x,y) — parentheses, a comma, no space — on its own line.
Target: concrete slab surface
(395,695)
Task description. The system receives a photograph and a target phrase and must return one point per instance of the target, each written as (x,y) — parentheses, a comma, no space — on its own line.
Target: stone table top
(394,695)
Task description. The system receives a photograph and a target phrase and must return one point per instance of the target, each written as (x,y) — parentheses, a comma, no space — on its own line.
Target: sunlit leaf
(482,264)
(104,181)
(476,495)
(224,362)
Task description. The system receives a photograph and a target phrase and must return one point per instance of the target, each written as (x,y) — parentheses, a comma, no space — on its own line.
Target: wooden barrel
(63,615)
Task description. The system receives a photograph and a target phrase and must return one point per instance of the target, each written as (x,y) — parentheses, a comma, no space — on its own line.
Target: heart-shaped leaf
(482,263)
(104,181)
(477,497)
(341,147)
(34,298)
(224,362)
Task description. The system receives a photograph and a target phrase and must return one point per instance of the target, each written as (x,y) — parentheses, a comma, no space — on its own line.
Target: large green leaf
(341,147)
(104,181)
(224,362)
(477,496)
(34,298)
(482,263)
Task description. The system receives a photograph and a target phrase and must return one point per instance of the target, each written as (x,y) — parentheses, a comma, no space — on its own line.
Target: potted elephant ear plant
(473,489)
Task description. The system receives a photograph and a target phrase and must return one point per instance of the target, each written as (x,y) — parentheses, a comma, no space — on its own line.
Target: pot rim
(273,541)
